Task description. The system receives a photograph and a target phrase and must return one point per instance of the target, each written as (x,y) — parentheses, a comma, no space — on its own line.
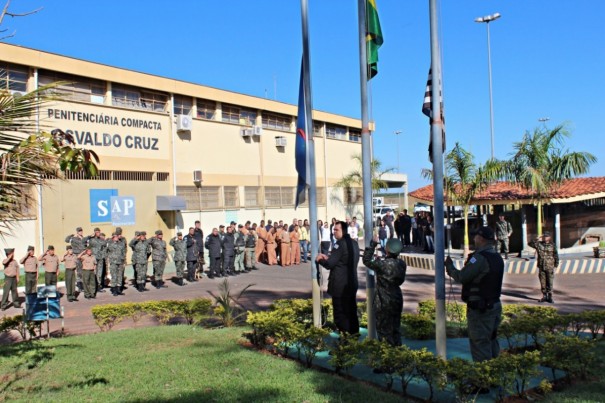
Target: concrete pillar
(523,230)
(557,226)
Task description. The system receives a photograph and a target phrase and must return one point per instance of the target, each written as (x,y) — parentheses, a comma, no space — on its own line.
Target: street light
(543,120)
(397,133)
(487,19)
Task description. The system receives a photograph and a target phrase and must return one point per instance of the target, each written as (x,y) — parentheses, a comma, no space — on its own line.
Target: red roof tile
(508,191)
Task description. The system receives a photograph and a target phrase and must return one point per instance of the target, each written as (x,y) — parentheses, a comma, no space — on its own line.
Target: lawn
(165,363)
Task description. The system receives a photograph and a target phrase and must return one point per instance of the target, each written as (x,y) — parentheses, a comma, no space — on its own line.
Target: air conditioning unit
(257,130)
(183,123)
(246,132)
(197,176)
(16,94)
(281,142)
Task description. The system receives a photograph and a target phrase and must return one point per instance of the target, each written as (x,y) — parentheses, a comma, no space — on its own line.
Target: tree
(355,178)
(30,156)
(463,180)
(7,13)
(540,163)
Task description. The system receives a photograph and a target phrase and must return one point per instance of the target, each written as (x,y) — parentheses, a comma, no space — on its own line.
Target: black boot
(544,298)
(549,298)
(100,288)
(158,284)
(113,291)
(141,287)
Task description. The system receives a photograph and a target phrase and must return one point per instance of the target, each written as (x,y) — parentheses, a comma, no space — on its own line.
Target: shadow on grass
(219,394)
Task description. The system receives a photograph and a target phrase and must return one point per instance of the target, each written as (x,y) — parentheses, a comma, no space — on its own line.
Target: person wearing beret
(159,255)
(50,261)
(30,263)
(11,279)
(69,260)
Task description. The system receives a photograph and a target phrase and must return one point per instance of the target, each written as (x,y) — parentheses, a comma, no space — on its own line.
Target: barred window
(287,196)
(277,121)
(251,193)
(13,77)
(132,176)
(272,196)
(353,195)
(355,135)
(206,109)
(191,194)
(231,196)
(74,87)
(235,114)
(318,129)
(138,98)
(182,105)
(336,132)
(210,197)
(162,176)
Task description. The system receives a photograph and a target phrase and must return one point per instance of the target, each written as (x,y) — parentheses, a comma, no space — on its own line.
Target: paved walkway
(573,293)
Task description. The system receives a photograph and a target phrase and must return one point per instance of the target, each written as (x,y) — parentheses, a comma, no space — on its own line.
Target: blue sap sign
(100,210)
(122,210)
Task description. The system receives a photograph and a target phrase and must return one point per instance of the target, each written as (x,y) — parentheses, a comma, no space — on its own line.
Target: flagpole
(366,158)
(437,156)
(316,292)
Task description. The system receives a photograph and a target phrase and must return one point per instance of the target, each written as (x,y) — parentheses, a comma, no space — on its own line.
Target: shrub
(107,316)
(468,376)
(310,341)
(431,369)
(570,354)
(417,327)
(526,367)
(362,312)
(503,373)
(228,308)
(345,354)
(594,321)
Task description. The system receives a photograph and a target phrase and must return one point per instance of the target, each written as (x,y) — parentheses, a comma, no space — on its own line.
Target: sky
(548,61)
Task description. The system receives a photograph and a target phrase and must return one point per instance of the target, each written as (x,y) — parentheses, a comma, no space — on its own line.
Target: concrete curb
(568,266)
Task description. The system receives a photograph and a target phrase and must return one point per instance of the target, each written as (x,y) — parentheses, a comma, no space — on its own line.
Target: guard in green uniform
(548,261)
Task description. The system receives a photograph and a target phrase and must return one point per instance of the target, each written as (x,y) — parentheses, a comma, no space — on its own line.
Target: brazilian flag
(373,37)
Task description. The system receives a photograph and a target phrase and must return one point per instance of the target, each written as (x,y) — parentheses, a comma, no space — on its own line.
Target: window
(277,121)
(74,87)
(182,105)
(210,197)
(336,132)
(251,194)
(206,109)
(353,195)
(318,129)
(272,196)
(132,176)
(138,98)
(287,196)
(235,114)
(13,77)
(191,194)
(231,196)
(355,135)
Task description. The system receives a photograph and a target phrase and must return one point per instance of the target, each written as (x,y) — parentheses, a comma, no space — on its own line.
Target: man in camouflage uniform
(240,248)
(115,258)
(122,267)
(180,255)
(481,279)
(388,300)
(503,232)
(548,261)
(140,256)
(78,244)
(158,258)
(251,250)
(97,246)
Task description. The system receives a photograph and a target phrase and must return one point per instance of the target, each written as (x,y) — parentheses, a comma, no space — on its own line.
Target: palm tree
(463,180)
(29,156)
(540,163)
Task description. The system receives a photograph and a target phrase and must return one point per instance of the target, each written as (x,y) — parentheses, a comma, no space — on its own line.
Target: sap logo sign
(106,206)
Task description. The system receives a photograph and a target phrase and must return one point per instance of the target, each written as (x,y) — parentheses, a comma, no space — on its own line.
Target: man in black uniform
(198,234)
(192,254)
(229,252)
(481,279)
(342,283)
(214,246)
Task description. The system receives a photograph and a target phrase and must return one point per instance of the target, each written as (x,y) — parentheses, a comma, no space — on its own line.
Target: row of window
(14,78)
(106,175)
(218,197)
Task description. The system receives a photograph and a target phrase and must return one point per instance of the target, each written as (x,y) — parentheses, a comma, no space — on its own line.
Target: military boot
(140,287)
(544,298)
(549,298)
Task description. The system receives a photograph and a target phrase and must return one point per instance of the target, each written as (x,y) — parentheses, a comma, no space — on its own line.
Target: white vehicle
(377,201)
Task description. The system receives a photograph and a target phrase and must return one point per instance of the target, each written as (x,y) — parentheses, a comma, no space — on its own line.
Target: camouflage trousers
(180,268)
(250,258)
(101,272)
(158,269)
(239,261)
(141,272)
(78,270)
(502,245)
(546,279)
(116,271)
(483,332)
(388,324)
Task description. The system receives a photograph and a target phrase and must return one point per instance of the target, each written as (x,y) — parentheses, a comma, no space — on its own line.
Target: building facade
(171,152)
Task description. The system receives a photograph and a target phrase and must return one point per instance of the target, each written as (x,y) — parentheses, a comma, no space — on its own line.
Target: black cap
(546,233)
(240,226)
(485,232)
(97,229)
(30,248)
(50,247)
(159,232)
(79,229)
(143,232)
(179,233)
(233,223)
(221,226)
(119,230)
(8,251)
(68,247)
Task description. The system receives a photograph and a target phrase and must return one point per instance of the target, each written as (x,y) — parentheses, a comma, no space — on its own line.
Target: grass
(165,363)
(589,391)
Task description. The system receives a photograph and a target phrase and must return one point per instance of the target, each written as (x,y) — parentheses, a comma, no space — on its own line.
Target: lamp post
(397,133)
(487,19)
(543,120)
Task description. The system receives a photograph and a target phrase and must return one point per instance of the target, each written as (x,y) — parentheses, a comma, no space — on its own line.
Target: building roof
(571,190)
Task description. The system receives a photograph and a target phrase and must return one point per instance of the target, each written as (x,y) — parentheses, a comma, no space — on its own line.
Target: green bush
(431,369)
(468,376)
(573,355)
(311,340)
(345,354)
(417,327)
(107,316)
(526,367)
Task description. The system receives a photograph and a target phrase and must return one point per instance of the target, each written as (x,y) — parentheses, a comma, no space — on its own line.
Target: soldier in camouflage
(251,250)
(78,245)
(548,261)
(388,300)
(122,267)
(140,256)
(240,249)
(97,246)
(180,256)
(115,258)
(158,258)
(503,232)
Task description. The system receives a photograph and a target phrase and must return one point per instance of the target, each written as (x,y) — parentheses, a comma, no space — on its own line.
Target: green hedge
(193,311)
